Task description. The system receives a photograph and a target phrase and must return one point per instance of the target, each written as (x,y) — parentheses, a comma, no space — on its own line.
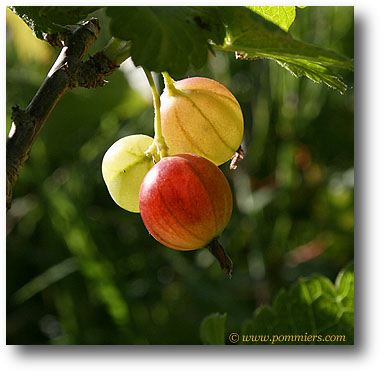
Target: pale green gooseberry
(124,166)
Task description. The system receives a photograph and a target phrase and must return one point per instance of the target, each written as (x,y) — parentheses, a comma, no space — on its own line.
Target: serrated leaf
(167,38)
(212,329)
(51,19)
(311,307)
(250,36)
(283,16)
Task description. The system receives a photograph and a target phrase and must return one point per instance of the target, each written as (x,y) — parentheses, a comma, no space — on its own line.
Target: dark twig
(67,72)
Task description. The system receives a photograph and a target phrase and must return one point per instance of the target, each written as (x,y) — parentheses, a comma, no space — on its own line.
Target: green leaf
(281,16)
(252,37)
(212,329)
(345,287)
(311,307)
(51,19)
(167,38)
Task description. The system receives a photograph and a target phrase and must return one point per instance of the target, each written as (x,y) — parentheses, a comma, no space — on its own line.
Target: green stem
(169,84)
(159,141)
(117,50)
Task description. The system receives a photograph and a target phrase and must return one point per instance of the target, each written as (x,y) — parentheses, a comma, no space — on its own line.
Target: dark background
(80,270)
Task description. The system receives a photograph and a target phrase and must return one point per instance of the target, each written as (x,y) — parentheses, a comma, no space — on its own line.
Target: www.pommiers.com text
(277,338)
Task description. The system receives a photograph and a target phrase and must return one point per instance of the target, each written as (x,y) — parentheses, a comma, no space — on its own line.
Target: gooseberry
(124,166)
(202,117)
(185,203)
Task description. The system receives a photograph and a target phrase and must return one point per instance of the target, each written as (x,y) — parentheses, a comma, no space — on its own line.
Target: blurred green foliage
(81,270)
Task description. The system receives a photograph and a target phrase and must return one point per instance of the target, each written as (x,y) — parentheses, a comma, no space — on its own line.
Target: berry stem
(117,50)
(159,142)
(219,253)
(169,84)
